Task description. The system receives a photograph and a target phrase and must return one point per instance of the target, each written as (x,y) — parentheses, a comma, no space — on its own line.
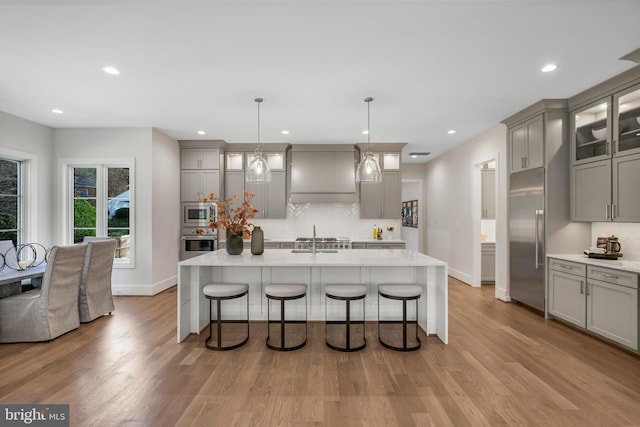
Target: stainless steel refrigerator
(526,237)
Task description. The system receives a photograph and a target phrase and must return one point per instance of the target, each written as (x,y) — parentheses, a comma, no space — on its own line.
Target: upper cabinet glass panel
(274,160)
(628,123)
(234,161)
(391,161)
(591,132)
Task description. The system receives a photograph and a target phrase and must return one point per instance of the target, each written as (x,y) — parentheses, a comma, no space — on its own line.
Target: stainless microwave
(198,214)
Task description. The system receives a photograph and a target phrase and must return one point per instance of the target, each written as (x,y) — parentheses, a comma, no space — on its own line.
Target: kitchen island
(366,266)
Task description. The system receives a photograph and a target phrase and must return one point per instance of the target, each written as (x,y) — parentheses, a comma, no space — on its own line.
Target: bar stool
(400,292)
(219,292)
(283,293)
(346,293)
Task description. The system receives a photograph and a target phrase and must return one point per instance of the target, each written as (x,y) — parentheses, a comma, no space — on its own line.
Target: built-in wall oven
(197,245)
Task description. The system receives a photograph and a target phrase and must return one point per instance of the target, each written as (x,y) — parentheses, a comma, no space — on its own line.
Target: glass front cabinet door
(591,135)
(626,128)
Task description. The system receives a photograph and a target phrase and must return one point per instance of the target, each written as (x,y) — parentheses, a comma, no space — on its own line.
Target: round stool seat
(346,291)
(400,290)
(225,290)
(289,290)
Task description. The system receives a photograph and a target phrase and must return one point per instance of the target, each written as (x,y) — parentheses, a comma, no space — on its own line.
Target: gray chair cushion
(52,310)
(95,298)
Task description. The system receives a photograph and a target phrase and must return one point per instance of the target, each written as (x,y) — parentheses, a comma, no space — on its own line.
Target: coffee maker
(610,244)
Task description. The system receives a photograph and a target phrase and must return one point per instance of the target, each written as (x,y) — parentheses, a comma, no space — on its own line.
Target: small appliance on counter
(607,247)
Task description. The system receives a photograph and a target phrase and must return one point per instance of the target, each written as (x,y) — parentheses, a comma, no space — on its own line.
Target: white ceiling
(188,65)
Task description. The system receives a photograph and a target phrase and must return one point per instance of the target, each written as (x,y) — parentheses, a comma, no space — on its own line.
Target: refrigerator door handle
(539,214)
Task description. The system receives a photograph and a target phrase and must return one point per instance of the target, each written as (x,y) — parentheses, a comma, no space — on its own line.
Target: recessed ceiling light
(451,132)
(365,132)
(201,132)
(548,68)
(57,111)
(111,70)
(285,132)
(414,156)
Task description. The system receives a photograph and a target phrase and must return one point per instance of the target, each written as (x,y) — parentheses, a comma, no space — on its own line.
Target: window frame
(102,222)
(20,199)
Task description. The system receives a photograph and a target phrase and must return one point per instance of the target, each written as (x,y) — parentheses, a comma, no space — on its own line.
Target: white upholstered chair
(95,298)
(46,313)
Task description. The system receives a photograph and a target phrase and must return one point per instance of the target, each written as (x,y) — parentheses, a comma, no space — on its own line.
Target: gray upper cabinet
(605,151)
(591,191)
(199,169)
(199,158)
(527,145)
(383,201)
(488,194)
(270,199)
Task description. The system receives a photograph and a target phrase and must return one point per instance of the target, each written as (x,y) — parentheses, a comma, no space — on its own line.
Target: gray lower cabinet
(382,201)
(386,245)
(488,263)
(601,300)
(234,185)
(567,297)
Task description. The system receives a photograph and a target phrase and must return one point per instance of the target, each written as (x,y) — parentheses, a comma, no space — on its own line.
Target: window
(10,201)
(102,206)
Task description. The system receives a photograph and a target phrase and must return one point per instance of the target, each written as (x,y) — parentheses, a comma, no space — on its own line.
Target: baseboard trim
(463,277)
(144,290)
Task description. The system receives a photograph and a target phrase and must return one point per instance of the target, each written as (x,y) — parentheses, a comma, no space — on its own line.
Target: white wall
(452,191)
(21,139)
(115,143)
(165,231)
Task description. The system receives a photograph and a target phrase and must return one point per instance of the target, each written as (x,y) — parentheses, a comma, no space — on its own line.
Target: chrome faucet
(313,244)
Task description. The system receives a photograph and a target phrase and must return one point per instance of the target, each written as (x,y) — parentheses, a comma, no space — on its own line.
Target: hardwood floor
(505,365)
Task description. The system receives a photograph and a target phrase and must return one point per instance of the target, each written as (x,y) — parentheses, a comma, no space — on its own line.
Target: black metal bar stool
(219,292)
(346,293)
(283,293)
(400,292)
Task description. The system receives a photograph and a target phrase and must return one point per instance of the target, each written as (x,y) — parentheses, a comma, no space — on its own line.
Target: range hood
(323,174)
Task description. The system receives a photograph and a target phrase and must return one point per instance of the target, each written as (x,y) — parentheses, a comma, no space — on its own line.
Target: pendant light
(258,170)
(368,171)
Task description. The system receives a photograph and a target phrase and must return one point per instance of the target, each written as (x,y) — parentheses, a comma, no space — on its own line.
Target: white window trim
(28,192)
(66,167)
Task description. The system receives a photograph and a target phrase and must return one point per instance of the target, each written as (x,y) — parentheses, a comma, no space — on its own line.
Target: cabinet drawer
(568,267)
(617,277)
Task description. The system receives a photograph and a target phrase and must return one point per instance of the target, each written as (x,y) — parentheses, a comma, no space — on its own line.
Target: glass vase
(234,244)
(257,241)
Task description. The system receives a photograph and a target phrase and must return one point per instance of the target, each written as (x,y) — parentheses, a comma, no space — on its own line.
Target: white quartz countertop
(619,264)
(347,258)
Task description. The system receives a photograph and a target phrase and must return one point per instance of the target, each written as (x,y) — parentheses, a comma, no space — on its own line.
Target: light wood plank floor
(504,366)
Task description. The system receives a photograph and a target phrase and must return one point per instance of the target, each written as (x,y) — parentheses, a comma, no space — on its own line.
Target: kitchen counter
(367,266)
(619,264)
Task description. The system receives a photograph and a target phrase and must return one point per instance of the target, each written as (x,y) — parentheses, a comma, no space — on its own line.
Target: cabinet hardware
(587,288)
(606,211)
(568,267)
(613,147)
(522,163)
(581,287)
(612,276)
(613,211)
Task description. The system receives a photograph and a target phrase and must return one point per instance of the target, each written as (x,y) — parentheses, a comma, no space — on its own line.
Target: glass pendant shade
(368,170)
(258,170)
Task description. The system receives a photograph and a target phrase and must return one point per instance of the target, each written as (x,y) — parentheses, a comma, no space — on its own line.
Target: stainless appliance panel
(526,237)
(192,246)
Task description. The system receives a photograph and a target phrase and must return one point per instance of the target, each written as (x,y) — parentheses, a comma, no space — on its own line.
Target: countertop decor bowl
(599,133)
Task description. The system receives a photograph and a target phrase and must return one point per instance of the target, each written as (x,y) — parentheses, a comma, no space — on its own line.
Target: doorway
(484,217)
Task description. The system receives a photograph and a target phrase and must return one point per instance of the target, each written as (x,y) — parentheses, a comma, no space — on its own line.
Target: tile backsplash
(627,233)
(330,219)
